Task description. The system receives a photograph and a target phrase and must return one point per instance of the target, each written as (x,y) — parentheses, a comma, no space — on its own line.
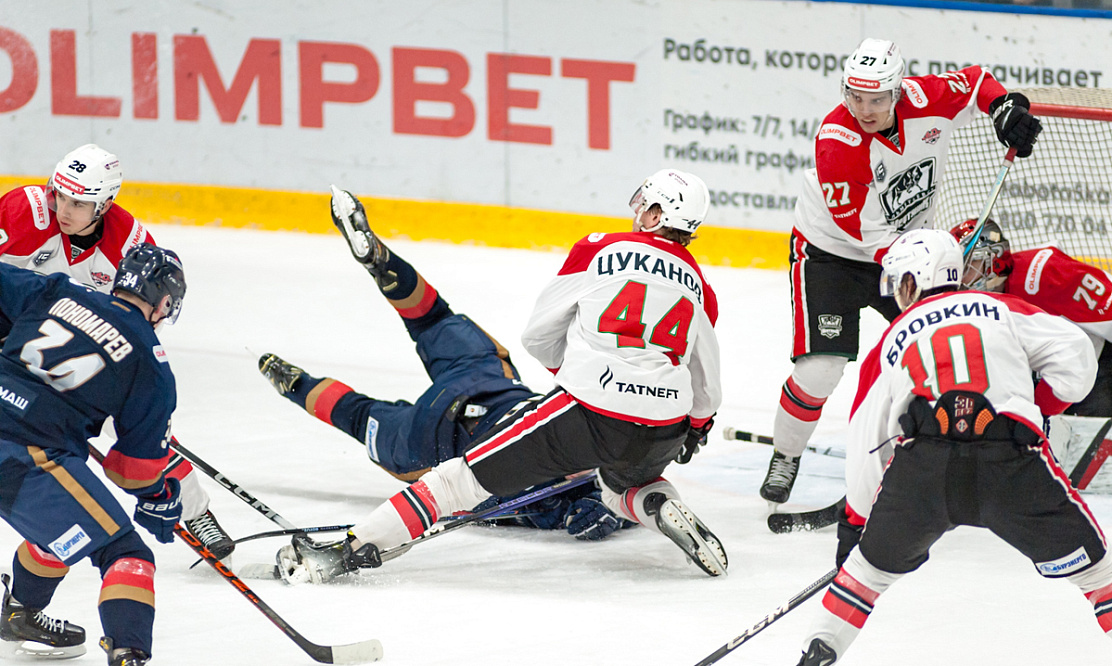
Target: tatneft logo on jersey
(74,539)
(909,193)
(37,197)
(840,133)
(640,389)
(617,262)
(1034,272)
(1065,565)
(14,399)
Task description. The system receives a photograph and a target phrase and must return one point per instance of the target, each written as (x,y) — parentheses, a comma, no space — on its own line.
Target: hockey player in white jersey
(627,327)
(879,160)
(949,389)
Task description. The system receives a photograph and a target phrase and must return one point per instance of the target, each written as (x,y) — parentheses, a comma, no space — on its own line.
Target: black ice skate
(305,560)
(818,654)
(123,656)
(282,376)
(782,470)
(211,535)
(677,523)
(350,218)
(27,633)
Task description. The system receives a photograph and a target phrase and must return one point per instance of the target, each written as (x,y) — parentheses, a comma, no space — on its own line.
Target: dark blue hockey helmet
(152,273)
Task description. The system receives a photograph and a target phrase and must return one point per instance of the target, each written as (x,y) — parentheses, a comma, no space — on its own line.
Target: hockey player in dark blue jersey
(474,386)
(72,358)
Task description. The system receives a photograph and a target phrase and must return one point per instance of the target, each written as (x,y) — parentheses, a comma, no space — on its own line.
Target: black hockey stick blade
(1091,461)
(805,521)
(780,612)
(351,653)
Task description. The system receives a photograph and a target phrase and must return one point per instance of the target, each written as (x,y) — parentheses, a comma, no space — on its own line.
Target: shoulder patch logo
(1034,272)
(37,197)
(881,172)
(839,133)
(932,136)
(914,93)
(160,354)
(595,237)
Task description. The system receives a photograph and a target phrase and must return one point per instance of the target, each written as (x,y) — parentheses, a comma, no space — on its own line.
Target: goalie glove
(696,439)
(1015,126)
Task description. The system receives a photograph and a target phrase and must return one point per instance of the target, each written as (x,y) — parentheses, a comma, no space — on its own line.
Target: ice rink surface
(484,596)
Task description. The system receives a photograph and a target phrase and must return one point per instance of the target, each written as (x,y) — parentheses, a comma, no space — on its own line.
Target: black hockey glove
(1015,126)
(696,439)
(160,512)
(588,519)
(848,536)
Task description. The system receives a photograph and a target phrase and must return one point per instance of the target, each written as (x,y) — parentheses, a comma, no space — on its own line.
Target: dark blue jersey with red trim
(74,357)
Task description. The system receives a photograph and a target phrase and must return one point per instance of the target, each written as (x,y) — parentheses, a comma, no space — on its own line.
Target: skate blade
(31,651)
(682,528)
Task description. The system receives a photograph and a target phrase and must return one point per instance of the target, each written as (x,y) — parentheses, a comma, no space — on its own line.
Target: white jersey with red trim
(1063,286)
(627,325)
(971,341)
(31,238)
(866,190)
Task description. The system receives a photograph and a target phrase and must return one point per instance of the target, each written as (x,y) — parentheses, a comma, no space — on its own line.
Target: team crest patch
(42,257)
(830,326)
(100,279)
(881,172)
(931,137)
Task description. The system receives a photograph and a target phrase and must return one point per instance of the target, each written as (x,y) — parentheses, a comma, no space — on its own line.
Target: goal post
(1060,195)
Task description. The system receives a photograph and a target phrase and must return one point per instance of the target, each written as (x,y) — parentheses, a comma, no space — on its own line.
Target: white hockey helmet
(88,173)
(683,198)
(875,66)
(931,256)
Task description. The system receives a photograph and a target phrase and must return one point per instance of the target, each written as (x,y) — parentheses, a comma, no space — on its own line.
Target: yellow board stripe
(473,224)
(75,489)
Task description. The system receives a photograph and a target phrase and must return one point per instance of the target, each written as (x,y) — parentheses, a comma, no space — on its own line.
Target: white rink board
(581,142)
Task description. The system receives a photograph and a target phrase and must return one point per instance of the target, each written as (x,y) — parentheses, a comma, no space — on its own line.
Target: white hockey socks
(802,398)
(848,603)
(443,490)
(631,504)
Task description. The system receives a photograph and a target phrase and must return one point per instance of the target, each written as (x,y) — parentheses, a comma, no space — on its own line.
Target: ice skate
(282,376)
(306,561)
(350,218)
(211,535)
(782,470)
(818,654)
(679,524)
(123,656)
(27,633)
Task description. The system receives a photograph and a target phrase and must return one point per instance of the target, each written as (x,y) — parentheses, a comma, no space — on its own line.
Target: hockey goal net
(1061,194)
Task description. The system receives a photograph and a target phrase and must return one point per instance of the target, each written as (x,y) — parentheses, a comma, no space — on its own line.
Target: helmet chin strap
(640,213)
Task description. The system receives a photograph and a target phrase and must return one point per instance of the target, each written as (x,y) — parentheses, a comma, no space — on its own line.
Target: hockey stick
(741,435)
(235,488)
(780,612)
(800,521)
(352,653)
(1095,455)
(994,193)
(270,571)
